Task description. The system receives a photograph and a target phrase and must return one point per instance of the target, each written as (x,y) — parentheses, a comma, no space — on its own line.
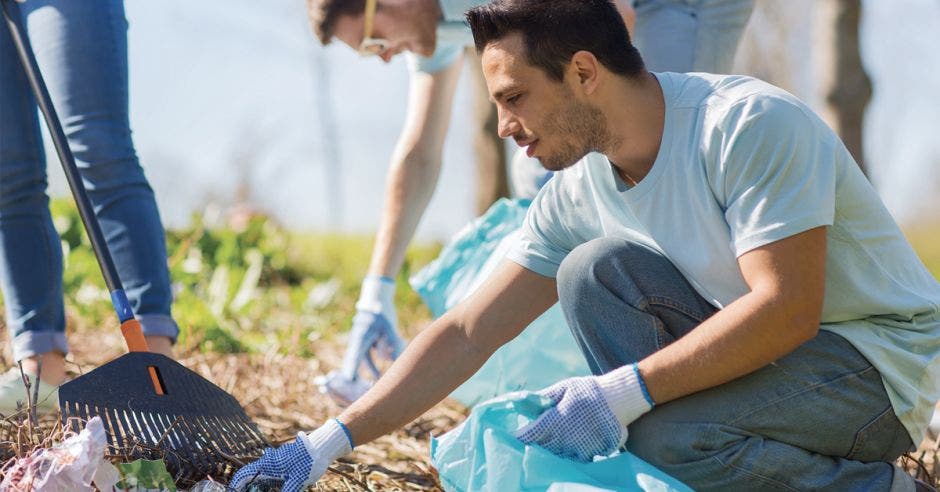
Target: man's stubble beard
(581,128)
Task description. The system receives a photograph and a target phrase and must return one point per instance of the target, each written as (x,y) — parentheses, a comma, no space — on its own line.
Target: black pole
(14,19)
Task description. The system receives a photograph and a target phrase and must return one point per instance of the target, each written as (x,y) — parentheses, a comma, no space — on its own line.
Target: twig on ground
(349,477)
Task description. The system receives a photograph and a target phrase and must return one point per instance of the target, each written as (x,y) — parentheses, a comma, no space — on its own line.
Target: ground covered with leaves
(263,312)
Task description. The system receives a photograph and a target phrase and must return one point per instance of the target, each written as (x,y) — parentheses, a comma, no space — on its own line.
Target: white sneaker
(342,389)
(13,393)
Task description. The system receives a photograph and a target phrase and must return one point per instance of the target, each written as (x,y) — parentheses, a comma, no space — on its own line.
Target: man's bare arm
(415,166)
(448,352)
(781,312)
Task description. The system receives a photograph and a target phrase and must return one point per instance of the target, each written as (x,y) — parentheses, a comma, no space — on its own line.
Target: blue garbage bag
(482,454)
(544,353)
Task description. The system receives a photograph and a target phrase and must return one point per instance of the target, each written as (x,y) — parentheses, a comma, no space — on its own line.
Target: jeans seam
(50,279)
(673,304)
(805,390)
(660,333)
(861,437)
(753,474)
(115,28)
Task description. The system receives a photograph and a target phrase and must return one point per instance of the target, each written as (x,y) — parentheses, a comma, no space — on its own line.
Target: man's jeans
(690,35)
(818,418)
(81,48)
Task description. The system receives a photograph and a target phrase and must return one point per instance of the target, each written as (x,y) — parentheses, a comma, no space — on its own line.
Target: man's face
(401,32)
(542,115)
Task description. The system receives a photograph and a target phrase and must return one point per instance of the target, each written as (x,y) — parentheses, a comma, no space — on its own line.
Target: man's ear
(586,69)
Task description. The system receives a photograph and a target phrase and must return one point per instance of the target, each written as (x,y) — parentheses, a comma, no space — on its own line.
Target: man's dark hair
(554,30)
(322,15)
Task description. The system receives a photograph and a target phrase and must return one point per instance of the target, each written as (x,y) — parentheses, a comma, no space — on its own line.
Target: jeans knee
(601,263)
(584,257)
(23,194)
(105,156)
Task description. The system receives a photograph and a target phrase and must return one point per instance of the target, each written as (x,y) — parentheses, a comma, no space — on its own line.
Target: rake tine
(109,429)
(169,431)
(226,440)
(156,428)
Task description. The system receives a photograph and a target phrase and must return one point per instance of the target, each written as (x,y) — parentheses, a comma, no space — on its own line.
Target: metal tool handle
(130,327)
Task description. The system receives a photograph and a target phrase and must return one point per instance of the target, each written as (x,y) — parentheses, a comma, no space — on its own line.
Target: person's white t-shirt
(743,164)
(453,36)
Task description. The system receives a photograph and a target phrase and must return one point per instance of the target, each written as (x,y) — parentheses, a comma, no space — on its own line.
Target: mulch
(279,394)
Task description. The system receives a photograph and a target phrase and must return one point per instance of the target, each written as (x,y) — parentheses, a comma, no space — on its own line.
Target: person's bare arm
(781,312)
(448,352)
(415,166)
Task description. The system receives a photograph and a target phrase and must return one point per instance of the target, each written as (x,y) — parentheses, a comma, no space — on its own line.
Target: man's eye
(513,99)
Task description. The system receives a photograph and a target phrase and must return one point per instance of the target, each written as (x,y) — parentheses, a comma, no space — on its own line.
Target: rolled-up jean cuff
(31,343)
(159,325)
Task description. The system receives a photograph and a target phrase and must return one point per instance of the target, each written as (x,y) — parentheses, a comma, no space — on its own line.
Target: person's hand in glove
(296,464)
(590,415)
(374,328)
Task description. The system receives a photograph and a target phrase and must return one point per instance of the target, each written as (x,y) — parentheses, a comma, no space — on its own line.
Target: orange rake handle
(134,337)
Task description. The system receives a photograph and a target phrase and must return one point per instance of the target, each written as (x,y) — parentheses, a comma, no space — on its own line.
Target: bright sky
(229,91)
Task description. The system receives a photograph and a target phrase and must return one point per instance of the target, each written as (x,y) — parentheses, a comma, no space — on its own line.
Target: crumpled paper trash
(69,466)
(544,353)
(482,454)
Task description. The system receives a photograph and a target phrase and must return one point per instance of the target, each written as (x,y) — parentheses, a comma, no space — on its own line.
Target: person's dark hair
(322,15)
(554,30)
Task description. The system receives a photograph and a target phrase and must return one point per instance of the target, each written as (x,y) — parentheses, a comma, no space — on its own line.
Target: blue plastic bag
(544,353)
(482,454)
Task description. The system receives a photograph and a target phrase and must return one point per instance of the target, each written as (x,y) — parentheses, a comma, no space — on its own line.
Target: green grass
(926,241)
(255,289)
(264,288)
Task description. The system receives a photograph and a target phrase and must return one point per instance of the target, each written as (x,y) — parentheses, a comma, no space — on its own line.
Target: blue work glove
(374,328)
(590,415)
(297,464)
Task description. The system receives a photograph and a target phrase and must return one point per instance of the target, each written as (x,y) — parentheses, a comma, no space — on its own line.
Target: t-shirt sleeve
(445,55)
(546,237)
(777,172)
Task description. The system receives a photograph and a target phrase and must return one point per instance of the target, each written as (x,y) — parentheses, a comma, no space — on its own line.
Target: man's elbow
(466,341)
(795,313)
(805,318)
(418,162)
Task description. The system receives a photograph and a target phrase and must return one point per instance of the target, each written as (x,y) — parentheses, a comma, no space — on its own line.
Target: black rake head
(198,429)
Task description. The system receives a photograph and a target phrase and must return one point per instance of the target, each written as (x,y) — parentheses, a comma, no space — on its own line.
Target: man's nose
(508,125)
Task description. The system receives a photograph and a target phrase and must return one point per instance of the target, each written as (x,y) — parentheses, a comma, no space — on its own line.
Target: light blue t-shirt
(453,35)
(743,164)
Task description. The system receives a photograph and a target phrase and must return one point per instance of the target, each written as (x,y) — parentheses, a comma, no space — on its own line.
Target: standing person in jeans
(680,36)
(753,316)
(81,49)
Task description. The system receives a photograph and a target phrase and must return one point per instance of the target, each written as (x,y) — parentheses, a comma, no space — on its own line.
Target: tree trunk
(845,85)
(489,149)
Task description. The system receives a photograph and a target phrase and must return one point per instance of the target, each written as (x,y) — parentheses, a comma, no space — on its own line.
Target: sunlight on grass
(263,288)
(925,238)
(257,288)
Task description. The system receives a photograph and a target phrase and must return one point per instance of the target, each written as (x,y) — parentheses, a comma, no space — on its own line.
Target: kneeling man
(753,315)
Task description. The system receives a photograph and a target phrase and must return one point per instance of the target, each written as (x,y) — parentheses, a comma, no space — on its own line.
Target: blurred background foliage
(248,287)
